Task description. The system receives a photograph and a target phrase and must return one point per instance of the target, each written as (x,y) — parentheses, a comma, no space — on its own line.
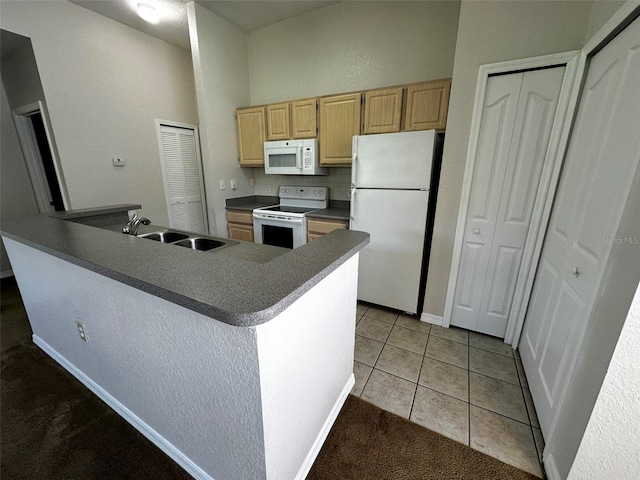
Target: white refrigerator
(391,177)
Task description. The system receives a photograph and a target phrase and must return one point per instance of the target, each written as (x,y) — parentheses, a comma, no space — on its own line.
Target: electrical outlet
(118,161)
(222,185)
(252,182)
(82,330)
(233,183)
(268,188)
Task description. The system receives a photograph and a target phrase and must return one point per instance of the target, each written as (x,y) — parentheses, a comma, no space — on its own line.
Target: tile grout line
(469,393)
(415,393)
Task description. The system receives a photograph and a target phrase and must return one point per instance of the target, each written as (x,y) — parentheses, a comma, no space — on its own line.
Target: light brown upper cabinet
(278,121)
(382,110)
(251,135)
(304,118)
(339,122)
(427,105)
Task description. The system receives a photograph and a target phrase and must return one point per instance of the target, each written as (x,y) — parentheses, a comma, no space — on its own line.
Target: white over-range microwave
(293,157)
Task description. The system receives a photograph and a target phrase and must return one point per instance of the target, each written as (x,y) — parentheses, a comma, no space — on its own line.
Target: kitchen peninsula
(235,361)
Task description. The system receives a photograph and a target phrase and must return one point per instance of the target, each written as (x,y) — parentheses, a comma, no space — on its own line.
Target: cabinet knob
(476,231)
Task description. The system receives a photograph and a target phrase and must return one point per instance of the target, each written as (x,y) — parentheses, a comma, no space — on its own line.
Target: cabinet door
(304,118)
(382,110)
(278,121)
(339,122)
(427,105)
(251,135)
(240,232)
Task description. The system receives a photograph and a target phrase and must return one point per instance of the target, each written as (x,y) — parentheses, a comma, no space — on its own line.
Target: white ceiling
(248,15)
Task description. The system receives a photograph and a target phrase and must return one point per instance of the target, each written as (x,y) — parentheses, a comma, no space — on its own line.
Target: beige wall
(601,12)
(488,32)
(221,71)
(105,85)
(16,194)
(351,46)
(344,47)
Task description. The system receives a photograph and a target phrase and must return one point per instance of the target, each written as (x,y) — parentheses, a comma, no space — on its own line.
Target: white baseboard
(324,431)
(161,442)
(6,274)
(551,469)
(432,319)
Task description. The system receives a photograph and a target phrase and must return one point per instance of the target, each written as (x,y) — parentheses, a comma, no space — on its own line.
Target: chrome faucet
(131,228)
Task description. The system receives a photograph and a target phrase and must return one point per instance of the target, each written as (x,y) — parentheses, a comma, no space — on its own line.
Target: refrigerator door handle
(353,205)
(354,158)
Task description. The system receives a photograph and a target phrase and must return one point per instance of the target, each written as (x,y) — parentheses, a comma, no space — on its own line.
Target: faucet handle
(129,227)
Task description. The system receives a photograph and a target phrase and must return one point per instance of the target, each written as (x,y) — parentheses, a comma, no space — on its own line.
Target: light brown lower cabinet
(317,228)
(240,225)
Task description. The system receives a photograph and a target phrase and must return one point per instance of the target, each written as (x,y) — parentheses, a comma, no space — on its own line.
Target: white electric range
(285,225)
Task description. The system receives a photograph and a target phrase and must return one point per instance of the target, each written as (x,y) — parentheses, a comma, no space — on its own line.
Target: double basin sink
(194,242)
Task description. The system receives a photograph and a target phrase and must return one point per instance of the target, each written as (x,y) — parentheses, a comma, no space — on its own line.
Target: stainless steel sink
(165,237)
(203,244)
(195,242)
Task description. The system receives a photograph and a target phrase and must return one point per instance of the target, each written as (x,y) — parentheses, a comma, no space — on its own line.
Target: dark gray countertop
(330,213)
(251,202)
(229,284)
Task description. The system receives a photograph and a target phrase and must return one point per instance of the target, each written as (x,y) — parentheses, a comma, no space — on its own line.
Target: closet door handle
(576,271)
(476,231)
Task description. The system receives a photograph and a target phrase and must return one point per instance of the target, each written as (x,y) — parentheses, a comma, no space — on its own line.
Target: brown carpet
(52,427)
(368,443)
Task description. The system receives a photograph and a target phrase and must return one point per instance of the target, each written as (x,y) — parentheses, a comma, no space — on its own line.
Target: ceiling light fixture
(148,13)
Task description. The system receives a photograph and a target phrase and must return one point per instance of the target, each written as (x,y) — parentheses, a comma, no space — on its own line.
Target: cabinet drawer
(321,227)
(245,218)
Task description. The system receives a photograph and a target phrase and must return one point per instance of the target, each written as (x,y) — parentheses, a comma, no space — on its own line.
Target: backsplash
(338,181)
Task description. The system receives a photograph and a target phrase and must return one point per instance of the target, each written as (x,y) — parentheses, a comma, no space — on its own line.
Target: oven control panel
(306,193)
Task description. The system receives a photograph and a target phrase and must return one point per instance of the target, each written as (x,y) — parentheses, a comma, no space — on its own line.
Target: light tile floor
(467,386)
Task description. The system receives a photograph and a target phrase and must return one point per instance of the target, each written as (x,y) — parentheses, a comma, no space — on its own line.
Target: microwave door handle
(299,159)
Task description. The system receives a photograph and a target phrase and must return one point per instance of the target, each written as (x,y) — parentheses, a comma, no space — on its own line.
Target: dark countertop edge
(251,202)
(264,316)
(91,212)
(318,271)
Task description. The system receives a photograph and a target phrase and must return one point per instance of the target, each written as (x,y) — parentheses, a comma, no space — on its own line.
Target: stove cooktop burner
(284,209)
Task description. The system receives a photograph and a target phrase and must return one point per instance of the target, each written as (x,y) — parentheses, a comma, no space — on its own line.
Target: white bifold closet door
(602,160)
(516,122)
(183,182)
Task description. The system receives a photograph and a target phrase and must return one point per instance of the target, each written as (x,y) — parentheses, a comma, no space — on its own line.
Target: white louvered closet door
(184,186)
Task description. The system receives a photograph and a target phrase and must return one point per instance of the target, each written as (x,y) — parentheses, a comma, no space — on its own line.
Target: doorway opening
(43,166)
